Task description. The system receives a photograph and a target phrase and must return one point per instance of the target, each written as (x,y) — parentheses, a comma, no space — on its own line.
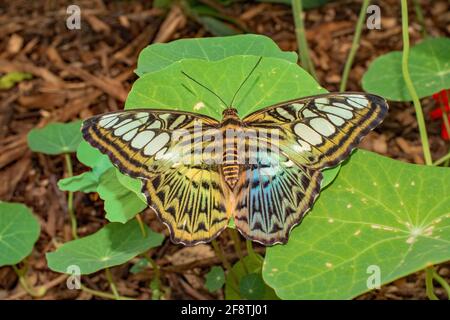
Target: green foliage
(159,56)
(215,279)
(428,64)
(10,79)
(378,212)
(55,138)
(19,230)
(252,286)
(122,194)
(114,244)
(275,80)
(139,266)
(217,27)
(121,204)
(251,264)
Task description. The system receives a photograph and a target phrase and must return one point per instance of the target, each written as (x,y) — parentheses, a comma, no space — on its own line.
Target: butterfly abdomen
(230,165)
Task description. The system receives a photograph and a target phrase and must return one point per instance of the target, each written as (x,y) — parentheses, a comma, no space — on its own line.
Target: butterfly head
(230,113)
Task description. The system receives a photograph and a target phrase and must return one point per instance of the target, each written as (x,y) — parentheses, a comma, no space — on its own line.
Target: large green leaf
(378,213)
(55,138)
(429,68)
(114,244)
(19,230)
(158,56)
(274,81)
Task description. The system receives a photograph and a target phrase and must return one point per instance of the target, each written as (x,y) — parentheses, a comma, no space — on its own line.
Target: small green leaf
(159,56)
(253,264)
(93,158)
(215,279)
(379,214)
(121,204)
(133,185)
(19,230)
(114,244)
(139,266)
(252,286)
(85,182)
(10,79)
(428,65)
(55,138)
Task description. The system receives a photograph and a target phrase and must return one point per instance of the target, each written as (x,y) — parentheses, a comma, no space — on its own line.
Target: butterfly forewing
(321,131)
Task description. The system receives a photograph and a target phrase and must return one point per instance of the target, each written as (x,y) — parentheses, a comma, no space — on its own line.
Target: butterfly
(263,171)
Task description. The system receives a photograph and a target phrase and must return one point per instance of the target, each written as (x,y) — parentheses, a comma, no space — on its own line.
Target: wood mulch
(79,73)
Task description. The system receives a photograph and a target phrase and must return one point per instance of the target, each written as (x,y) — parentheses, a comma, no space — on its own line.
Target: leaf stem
(429,282)
(237,247)
(410,85)
(442,160)
(419,15)
(73,219)
(112,284)
(442,282)
(303,49)
(103,294)
(34,292)
(141,225)
(355,45)
(156,290)
(225,262)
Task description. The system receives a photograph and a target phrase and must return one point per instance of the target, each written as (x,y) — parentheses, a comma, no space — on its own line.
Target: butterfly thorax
(230,167)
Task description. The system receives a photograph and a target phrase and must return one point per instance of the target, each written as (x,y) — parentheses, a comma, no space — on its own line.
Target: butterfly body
(262,170)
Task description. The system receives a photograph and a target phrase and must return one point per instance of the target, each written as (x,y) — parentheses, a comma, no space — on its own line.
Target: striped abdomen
(230,166)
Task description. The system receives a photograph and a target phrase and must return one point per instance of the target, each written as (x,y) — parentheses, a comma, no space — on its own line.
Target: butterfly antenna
(245,80)
(203,86)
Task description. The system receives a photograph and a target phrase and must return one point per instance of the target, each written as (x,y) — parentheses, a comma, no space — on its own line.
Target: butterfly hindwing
(321,131)
(191,201)
(273,196)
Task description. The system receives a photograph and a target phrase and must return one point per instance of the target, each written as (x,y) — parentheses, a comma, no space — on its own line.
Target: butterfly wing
(321,131)
(157,146)
(273,196)
(312,133)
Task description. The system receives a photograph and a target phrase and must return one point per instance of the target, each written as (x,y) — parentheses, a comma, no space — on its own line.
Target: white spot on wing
(157,144)
(322,126)
(142,138)
(108,122)
(307,134)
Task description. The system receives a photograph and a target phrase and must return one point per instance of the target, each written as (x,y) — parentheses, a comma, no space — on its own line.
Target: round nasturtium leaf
(248,265)
(429,67)
(114,244)
(273,81)
(160,55)
(252,286)
(55,138)
(215,279)
(380,220)
(19,230)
